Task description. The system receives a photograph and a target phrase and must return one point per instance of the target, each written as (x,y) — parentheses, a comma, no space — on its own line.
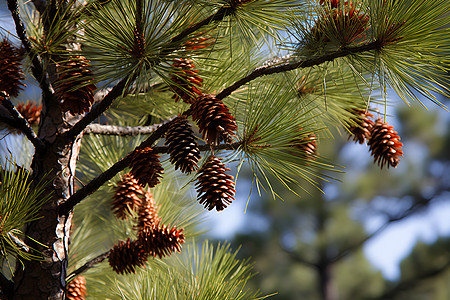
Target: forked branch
(20,122)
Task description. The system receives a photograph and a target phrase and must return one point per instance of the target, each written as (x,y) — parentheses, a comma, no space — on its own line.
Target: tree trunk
(46,279)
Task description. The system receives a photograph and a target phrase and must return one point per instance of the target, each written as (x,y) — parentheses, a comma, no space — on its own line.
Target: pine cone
(76,289)
(74,86)
(186,80)
(145,167)
(183,148)
(199,42)
(215,188)
(385,144)
(363,127)
(148,213)
(307,146)
(214,120)
(30,111)
(346,22)
(126,256)
(127,196)
(160,240)
(10,69)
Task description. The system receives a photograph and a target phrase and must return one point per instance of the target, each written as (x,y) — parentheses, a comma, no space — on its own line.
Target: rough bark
(46,279)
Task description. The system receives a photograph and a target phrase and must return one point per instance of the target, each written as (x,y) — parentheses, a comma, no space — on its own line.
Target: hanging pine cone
(361,131)
(214,120)
(148,213)
(385,144)
(307,146)
(127,196)
(146,167)
(199,42)
(74,86)
(215,188)
(126,256)
(160,240)
(76,289)
(31,112)
(10,69)
(186,82)
(183,148)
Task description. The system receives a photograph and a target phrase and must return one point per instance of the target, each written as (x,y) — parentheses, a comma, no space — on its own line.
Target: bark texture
(46,279)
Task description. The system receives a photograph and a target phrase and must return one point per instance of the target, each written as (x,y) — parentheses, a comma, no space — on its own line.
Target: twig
(88,265)
(219,15)
(98,109)
(36,68)
(98,181)
(119,130)
(21,122)
(262,71)
(204,147)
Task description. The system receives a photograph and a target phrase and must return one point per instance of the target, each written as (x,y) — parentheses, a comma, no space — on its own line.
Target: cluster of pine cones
(383,140)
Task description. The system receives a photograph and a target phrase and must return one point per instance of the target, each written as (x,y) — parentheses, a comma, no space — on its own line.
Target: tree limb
(267,70)
(119,130)
(36,68)
(98,181)
(98,109)
(21,123)
(88,265)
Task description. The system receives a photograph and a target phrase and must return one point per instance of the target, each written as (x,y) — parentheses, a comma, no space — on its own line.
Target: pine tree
(261,81)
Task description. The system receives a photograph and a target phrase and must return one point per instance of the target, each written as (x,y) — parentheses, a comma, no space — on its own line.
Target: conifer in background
(111,74)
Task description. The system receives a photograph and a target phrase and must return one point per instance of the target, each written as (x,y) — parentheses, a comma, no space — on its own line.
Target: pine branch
(98,181)
(204,147)
(98,108)
(218,16)
(88,265)
(21,123)
(119,130)
(36,68)
(267,70)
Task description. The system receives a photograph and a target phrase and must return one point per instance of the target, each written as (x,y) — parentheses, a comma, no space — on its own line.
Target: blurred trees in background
(311,247)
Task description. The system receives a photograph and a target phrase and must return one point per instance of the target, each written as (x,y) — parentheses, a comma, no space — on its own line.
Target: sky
(384,252)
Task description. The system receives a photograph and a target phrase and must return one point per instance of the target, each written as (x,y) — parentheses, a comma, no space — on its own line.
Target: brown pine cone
(186,81)
(74,86)
(361,131)
(214,120)
(148,213)
(10,69)
(76,289)
(146,167)
(199,42)
(160,240)
(307,146)
(215,188)
(385,144)
(31,112)
(125,257)
(183,148)
(127,196)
